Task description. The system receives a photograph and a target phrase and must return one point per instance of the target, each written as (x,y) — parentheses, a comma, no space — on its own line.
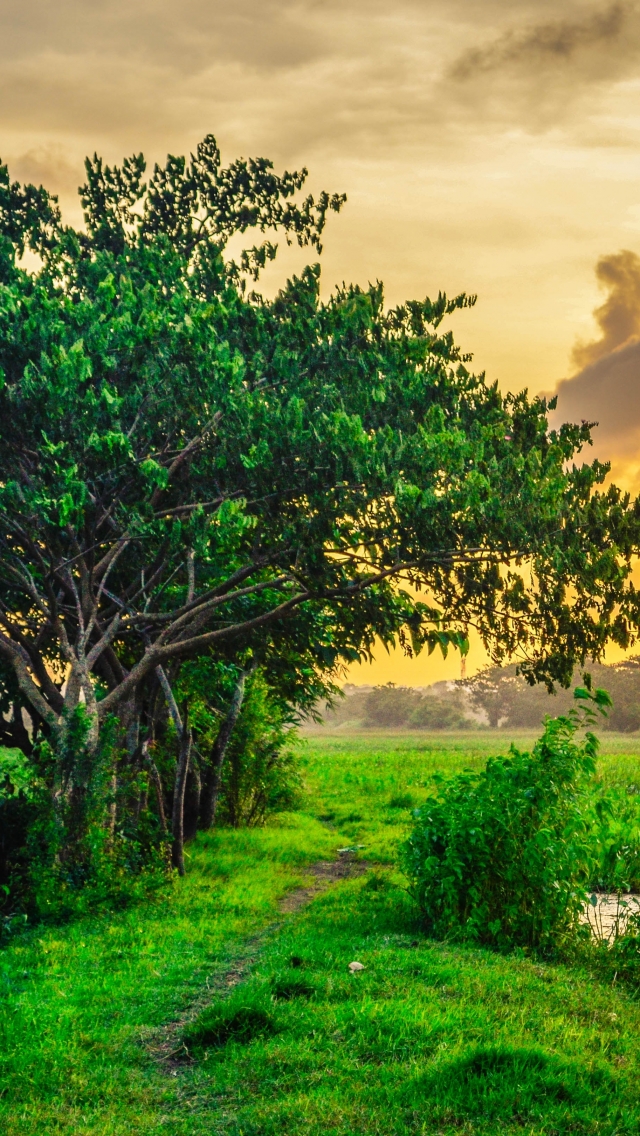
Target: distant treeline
(496,697)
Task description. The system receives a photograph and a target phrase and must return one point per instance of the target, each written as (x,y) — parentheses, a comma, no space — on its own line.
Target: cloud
(358,74)
(549,42)
(608,392)
(606,389)
(47,165)
(619,316)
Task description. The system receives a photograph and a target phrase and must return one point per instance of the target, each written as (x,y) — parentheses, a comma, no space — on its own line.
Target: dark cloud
(619,317)
(607,388)
(331,74)
(549,42)
(608,392)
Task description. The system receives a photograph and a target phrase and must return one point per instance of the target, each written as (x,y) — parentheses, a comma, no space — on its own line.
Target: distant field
(345,772)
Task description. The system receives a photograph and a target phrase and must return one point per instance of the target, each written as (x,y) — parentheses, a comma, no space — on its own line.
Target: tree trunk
(157,784)
(192,799)
(177,819)
(213,773)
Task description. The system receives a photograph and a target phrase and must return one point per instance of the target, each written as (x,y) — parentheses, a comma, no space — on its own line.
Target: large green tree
(190,470)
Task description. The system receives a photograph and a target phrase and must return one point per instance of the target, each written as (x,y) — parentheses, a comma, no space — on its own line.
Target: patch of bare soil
(165,1043)
(324,873)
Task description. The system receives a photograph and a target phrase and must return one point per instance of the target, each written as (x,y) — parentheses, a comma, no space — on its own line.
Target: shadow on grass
(227,1021)
(505,1084)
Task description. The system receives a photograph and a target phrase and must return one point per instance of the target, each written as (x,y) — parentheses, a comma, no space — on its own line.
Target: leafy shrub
(260,775)
(18,813)
(57,856)
(617,818)
(503,857)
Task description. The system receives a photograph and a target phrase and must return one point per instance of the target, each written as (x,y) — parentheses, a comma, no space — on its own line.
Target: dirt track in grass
(166,1044)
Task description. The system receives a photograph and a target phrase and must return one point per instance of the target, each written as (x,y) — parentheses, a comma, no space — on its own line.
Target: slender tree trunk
(177,819)
(213,774)
(157,784)
(112,815)
(192,798)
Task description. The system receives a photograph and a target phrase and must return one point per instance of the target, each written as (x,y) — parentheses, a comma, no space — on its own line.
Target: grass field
(426,1039)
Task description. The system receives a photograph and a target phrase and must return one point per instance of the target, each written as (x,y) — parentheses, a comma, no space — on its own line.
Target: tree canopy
(187,467)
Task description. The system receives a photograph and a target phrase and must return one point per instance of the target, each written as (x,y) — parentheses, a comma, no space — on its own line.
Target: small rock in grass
(354,967)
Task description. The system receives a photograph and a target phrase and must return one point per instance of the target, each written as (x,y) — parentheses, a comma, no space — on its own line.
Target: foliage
(261,772)
(59,856)
(173,417)
(504,857)
(616,820)
(438,714)
(441,707)
(391,705)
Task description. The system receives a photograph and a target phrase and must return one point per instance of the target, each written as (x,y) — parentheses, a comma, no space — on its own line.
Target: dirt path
(165,1044)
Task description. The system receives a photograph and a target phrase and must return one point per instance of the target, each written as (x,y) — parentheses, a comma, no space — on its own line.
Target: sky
(491,148)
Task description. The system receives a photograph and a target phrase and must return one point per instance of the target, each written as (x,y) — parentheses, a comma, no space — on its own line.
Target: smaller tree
(434,713)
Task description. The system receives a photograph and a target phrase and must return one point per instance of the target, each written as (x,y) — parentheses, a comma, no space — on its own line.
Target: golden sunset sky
(490,147)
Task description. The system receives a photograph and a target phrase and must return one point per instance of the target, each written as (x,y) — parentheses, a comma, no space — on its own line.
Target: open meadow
(427,1038)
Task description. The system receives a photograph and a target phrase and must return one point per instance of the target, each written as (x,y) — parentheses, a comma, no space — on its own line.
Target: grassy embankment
(428,1038)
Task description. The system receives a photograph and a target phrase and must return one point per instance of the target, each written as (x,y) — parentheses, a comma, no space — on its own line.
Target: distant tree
(391,706)
(434,713)
(622,680)
(509,700)
(505,697)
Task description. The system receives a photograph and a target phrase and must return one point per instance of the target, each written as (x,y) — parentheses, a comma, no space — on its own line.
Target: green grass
(426,1039)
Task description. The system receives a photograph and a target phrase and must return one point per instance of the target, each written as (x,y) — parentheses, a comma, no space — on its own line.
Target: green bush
(260,775)
(58,858)
(504,857)
(617,818)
